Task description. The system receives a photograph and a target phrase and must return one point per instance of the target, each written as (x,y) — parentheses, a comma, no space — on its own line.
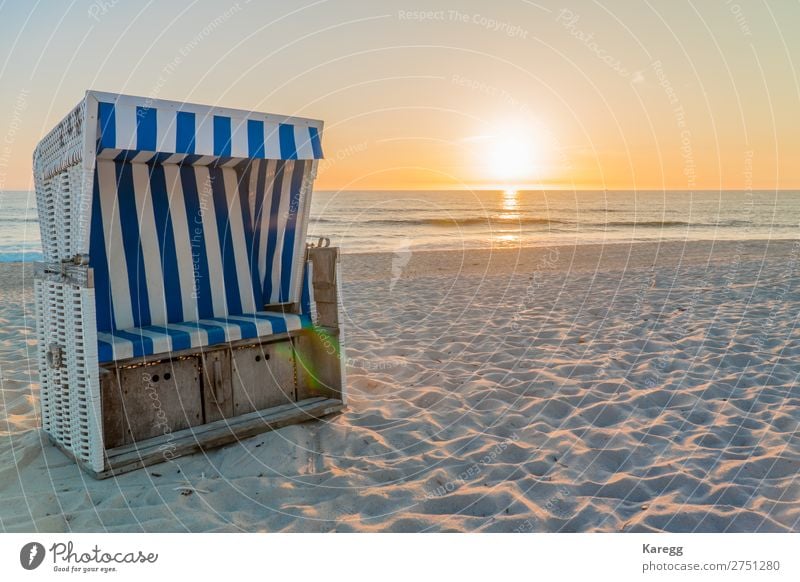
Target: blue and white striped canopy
(197,227)
(140,130)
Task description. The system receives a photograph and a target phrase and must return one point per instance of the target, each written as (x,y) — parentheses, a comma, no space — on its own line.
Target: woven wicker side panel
(63,187)
(52,331)
(82,371)
(45,381)
(70,393)
(64,202)
(63,146)
(46,199)
(63,196)
(62,207)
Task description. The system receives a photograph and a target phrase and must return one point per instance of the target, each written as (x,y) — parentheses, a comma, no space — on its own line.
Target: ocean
(436,220)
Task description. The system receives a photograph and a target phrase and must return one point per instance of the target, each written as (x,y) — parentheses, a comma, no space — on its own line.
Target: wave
(676,223)
(22,220)
(19,256)
(532,221)
(465,221)
(648,223)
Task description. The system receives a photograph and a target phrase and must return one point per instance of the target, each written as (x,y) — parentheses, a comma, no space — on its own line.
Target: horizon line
(520,189)
(525,189)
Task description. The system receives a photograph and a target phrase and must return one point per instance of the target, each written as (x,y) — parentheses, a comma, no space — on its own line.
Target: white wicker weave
(70,393)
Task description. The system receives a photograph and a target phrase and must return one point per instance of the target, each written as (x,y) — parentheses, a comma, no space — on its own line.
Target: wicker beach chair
(178,305)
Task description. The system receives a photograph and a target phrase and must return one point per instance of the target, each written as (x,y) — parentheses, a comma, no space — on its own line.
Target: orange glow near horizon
(515,158)
(588,96)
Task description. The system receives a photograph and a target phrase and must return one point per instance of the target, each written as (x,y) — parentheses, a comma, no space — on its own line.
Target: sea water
(377,221)
(432,220)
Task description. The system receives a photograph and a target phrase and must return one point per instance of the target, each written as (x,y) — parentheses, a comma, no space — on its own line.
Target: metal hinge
(55,356)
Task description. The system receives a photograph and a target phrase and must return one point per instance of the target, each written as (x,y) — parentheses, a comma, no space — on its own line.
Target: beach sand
(626,387)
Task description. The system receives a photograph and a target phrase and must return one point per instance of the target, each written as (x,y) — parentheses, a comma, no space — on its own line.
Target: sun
(511,154)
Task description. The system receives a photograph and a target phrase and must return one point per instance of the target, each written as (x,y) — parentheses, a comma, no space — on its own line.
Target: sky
(441,95)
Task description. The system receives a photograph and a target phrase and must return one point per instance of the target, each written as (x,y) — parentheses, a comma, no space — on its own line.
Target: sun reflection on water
(509,213)
(507,240)
(510,200)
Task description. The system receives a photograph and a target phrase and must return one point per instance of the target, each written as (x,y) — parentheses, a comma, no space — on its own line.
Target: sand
(637,387)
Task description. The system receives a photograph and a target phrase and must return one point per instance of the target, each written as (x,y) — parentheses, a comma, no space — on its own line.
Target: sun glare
(511,155)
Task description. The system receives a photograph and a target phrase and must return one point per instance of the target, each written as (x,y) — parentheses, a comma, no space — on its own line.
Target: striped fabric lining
(150,340)
(143,134)
(177,243)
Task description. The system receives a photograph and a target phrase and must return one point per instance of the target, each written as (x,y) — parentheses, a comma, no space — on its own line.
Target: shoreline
(673,254)
(582,256)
